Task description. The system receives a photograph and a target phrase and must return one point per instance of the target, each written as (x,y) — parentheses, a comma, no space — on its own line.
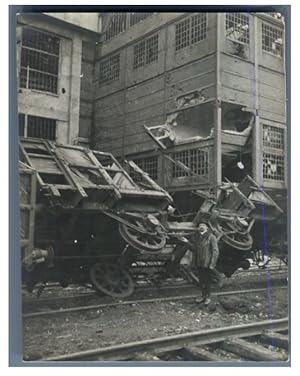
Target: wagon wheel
(232,236)
(149,243)
(112,280)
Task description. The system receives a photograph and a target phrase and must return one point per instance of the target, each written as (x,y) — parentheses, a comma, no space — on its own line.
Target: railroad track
(140,301)
(264,341)
(140,288)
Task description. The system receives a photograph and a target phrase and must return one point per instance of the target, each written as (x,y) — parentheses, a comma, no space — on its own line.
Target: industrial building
(216,80)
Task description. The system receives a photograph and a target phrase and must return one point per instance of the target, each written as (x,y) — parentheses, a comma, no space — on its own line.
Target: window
(195,160)
(273,167)
(149,165)
(191,30)
(37,127)
(272,39)
(117,25)
(110,69)
(21,121)
(273,137)
(145,52)
(137,17)
(39,61)
(237,27)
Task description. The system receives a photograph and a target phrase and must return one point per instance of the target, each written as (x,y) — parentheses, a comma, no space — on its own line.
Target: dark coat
(205,250)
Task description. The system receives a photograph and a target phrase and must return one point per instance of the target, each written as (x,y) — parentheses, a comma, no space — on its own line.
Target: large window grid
(273,137)
(273,167)
(145,52)
(190,31)
(272,39)
(149,165)
(117,25)
(237,27)
(109,69)
(196,160)
(39,60)
(37,127)
(137,17)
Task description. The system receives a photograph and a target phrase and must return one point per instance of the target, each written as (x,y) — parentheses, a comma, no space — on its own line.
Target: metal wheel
(149,243)
(232,236)
(112,280)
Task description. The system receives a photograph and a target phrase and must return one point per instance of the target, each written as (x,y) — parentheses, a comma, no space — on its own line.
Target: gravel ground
(83,296)
(67,333)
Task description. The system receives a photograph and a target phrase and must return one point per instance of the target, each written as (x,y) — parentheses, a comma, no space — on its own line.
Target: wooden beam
(276,339)
(198,353)
(251,351)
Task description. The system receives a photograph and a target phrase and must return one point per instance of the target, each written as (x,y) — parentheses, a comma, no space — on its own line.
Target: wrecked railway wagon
(77,205)
(87,219)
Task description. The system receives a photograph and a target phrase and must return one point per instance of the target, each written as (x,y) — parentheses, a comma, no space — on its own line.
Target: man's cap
(202,226)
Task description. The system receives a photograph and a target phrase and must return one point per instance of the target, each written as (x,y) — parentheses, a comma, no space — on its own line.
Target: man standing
(205,256)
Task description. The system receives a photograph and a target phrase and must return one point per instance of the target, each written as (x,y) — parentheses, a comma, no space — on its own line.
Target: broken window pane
(39,61)
(196,160)
(272,39)
(273,167)
(237,27)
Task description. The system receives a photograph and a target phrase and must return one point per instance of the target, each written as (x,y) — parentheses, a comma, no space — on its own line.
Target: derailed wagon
(74,204)
(85,218)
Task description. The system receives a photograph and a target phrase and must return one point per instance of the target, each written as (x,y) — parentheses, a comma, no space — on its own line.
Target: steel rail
(150,300)
(30,300)
(176,342)
(88,294)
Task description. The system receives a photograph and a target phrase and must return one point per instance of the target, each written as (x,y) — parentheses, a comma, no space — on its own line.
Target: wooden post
(217,113)
(257,168)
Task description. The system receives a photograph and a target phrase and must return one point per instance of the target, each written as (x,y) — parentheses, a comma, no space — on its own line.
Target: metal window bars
(145,52)
(272,39)
(39,61)
(237,27)
(191,30)
(273,137)
(109,69)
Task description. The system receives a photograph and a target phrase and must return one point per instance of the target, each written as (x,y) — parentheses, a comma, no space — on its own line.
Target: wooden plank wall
(145,95)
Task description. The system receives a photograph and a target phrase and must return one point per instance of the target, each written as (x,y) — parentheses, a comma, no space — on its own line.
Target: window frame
(107,60)
(27,125)
(141,50)
(41,52)
(234,40)
(179,172)
(269,51)
(189,21)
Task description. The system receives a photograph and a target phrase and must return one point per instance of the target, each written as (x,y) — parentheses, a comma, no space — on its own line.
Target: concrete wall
(86,92)
(88,21)
(64,106)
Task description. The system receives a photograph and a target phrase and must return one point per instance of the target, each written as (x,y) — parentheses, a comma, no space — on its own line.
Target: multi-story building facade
(55,63)
(218,81)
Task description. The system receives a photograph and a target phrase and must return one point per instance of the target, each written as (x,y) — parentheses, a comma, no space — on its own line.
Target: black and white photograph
(153,183)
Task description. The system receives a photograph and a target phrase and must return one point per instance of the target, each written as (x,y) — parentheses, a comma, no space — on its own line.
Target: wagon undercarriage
(85,218)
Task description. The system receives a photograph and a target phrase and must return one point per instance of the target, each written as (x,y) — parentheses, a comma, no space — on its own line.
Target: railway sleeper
(275,339)
(252,351)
